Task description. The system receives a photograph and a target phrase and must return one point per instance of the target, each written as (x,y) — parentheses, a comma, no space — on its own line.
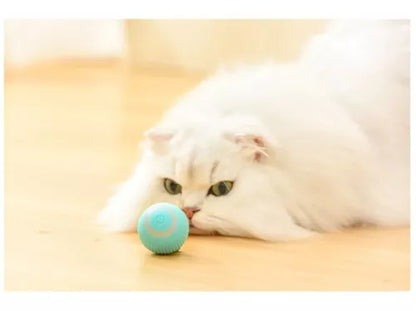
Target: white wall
(29,41)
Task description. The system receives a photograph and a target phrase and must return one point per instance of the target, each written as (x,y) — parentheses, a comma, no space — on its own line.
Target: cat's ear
(158,139)
(252,146)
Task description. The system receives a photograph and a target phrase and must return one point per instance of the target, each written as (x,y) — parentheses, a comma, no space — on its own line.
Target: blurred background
(195,45)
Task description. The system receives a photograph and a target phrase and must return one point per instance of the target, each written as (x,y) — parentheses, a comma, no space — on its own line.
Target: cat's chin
(196,231)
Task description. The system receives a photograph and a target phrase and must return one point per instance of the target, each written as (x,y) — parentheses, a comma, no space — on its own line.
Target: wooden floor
(71,135)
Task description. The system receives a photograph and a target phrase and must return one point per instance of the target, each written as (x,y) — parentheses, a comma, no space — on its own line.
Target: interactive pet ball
(163,228)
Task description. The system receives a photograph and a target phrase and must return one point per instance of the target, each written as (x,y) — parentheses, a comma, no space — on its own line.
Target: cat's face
(223,176)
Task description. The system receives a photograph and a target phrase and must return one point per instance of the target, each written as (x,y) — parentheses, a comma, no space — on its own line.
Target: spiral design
(163,228)
(161,214)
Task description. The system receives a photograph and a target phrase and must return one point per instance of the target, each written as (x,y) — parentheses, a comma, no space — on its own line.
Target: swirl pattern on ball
(156,222)
(163,228)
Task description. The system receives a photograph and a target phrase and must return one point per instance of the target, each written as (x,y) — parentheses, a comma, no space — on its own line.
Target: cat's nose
(190,211)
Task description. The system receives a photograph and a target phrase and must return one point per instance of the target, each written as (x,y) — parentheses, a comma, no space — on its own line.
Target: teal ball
(163,228)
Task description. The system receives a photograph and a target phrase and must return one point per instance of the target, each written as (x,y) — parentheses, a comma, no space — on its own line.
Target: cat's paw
(121,213)
(113,219)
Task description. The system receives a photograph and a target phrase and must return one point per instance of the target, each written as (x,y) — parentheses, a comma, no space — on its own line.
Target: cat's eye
(172,186)
(221,188)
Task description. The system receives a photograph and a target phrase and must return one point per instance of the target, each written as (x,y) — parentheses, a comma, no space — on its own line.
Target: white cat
(280,152)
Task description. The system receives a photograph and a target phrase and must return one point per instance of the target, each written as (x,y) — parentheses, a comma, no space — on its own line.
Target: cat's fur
(312,146)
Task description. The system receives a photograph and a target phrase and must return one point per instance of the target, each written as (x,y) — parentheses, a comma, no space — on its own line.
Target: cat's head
(220,171)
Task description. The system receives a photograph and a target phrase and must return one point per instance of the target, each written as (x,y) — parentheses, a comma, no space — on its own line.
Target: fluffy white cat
(280,152)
